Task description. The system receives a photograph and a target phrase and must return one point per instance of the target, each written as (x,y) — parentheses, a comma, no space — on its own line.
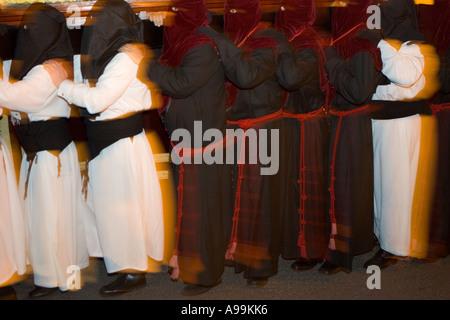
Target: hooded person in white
(396,126)
(50,180)
(125,222)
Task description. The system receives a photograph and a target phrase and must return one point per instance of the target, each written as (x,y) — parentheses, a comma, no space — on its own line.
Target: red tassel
(229,255)
(303,252)
(175,269)
(332,244)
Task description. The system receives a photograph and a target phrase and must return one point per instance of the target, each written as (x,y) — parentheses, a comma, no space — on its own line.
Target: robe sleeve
(246,71)
(444,73)
(356,79)
(111,85)
(296,69)
(403,66)
(194,71)
(30,94)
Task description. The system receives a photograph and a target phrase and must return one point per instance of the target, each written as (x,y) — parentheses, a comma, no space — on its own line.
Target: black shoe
(257,282)
(381,259)
(330,268)
(39,292)
(303,264)
(195,290)
(126,282)
(7,293)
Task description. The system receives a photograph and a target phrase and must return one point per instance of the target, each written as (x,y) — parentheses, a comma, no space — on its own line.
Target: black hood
(109,25)
(399,20)
(42,35)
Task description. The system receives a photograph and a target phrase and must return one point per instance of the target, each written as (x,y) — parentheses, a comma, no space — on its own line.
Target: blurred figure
(191,78)
(50,181)
(306,137)
(13,259)
(125,221)
(435,20)
(248,50)
(353,67)
(397,124)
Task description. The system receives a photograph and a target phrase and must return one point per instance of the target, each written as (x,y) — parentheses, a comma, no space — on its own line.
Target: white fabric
(12,226)
(125,221)
(55,233)
(6,68)
(404,68)
(56,239)
(396,146)
(117,91)
(35,95)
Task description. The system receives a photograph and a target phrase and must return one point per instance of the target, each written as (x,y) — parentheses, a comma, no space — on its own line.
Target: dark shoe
(381,259)
(195,290)
(303,264)
(257,282)
(330,268)
(126,282)
(39,292)
(229,263)
(7,293)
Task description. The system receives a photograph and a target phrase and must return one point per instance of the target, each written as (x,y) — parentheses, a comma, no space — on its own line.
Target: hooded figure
(109,26)
(304,171)
(13,259)
(248,50)
(50,181)
(123,212)
(42,22)
(410,70)
(439,233)
(191,79)
(353,67)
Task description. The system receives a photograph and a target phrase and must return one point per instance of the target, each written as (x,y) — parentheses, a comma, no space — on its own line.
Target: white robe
(124,197)
(13,259)
(396,145)
(55,234)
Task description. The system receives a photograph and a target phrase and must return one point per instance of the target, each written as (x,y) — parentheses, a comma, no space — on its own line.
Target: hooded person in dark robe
(306,139)
(353,66)
(50,181)
(248,50)
(400,195)
(191,79)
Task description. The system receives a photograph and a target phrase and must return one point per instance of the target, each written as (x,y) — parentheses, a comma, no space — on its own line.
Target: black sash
(102,134)
(50,135)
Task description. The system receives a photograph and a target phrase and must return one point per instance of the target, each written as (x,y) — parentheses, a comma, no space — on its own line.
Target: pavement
(405,280)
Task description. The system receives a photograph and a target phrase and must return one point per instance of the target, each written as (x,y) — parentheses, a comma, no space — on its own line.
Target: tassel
(229,255)
(332,244)
(303,252)
(174,267)
(333,228)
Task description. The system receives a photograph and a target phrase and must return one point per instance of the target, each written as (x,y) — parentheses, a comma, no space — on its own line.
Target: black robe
(257,224)
(439,231)
(351,157)
(304,159)
(197,91)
